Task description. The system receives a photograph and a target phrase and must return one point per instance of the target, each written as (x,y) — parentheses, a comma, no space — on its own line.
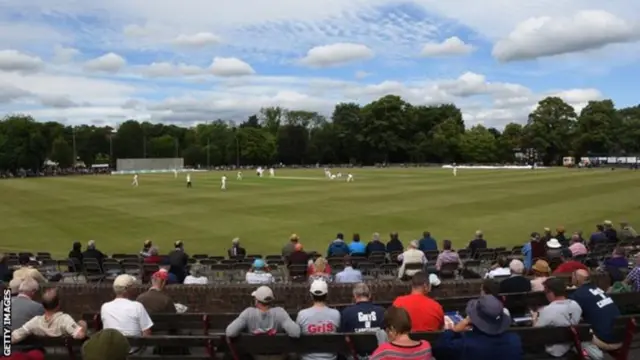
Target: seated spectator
(127,316)
(394,244)
(259,273)
(477,243)
(299,256)
(541,272)
(491,287)
(156,300)
(76,251)
(561,311)
(196,276)
(178,260)
(538,247)
(489,338)
(554,250)
(577,247)
(53,323)
(618,259)
(338,248)
(560,236)
(375,245)
(426,314)
(447,256)
(146,248)
(289,248)
(236,250)
(633,278)
(349,274)
(320,270)
(411,256)
(598,309)
(427,243)
(569,265)
(153,256)
(400,346)
(27,271)
(626,233)
(165,265)
(262,318)
(610,233)
(93,253)
(499,269)
(527,253)
(106,344)
(319,318)
(5,272)
(363,315)
(597,237)
(23,308)
(516,283)
(356,247)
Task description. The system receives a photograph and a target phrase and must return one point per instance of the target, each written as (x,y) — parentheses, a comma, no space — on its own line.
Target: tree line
(388,129)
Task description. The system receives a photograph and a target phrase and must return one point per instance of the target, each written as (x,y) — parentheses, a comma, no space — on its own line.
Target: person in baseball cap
(319,318)
(259,273)
(319,288)
(263,295)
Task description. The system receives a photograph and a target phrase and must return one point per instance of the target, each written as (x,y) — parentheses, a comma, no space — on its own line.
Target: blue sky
(193,61)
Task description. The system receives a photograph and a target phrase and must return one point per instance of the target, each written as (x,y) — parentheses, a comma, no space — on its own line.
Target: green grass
(48,214)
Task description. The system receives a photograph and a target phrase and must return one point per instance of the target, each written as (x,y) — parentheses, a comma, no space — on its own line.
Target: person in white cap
(554,249)
(263,318)
(319,318)
(127,316)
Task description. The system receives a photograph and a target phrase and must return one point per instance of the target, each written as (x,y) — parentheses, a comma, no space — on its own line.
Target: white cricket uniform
(272,172)
(135,180)
(223,183)
(239,176)
(189,180)
(349,178)
(455,171)
(175,173)
(339,175)
(333,177)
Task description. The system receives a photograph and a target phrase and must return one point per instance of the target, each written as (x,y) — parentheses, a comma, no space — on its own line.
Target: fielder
(135,180)
(272,172)
(175,173)
(189,180)
(349,178)
(339,175)
(455,170)
(223,182)
(239,175)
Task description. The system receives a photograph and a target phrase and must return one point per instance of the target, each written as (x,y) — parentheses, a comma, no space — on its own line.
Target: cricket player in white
(135,180)
(272,172)
(175,173)
(349,178)
(455,170)
(239,175)
(339,175)
(188,180)
(223,182)
(333,177)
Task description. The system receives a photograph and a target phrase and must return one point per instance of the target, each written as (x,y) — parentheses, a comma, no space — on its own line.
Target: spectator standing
(546,236)
(569,265)
(399,345)
(610,232)
(259,274)
(262,318)
(76,251)
(122,314)
(375,245)
(598,309)
(426,314)
(597,237)
(349,274)
(447,256)
(196,276)
(236,251)
(554,249)
(23,308)
(477,243)
(618,259)
(27,271)
(577,247)
(394,244)
(289,248)
(320,270)
(53,323)
(516,283)
(500,269)
(633,278)
(363,315)
(299,256)
(156,300)
(338,248)
(411,256)
(178,260)
(541,271)
(146,248)
(560,236)
(489,338)
(427,243)
(526,252)
(93,253)
(153,256)
(538,247)
(356,247)
(561,311)
(319,318)
(626,233)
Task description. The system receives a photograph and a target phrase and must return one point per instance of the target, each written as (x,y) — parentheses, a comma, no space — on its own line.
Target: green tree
(62,153)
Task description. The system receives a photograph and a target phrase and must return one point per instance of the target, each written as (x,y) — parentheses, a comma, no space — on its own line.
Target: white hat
(554,244)
(319,287)
(263,294)
(414,244)
(608,222)
(123,281)
(434,280)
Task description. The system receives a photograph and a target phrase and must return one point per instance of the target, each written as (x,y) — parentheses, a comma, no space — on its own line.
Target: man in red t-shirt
(568,265)
(426,314)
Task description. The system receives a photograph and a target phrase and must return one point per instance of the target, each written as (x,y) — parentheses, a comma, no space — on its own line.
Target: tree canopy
(388,129)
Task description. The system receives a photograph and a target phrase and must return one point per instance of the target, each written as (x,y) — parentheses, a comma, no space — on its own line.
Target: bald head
(581,276)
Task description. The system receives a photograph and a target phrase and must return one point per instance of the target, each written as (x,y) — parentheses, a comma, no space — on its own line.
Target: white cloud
(9,93)
(110,63)
(13,60)
(226,67)
(165,69)
(198,40)
(64,55)
(336,54)
(547,36)
(449,47)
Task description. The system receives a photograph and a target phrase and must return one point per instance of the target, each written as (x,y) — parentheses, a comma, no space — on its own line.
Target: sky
(191,61)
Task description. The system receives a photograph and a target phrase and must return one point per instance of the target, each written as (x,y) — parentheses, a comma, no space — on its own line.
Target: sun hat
(319,287)
(263,294)
(123,281)
(608,222)
(258,263)
(434,280)
(487,314)
(554,244)
(541,266)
